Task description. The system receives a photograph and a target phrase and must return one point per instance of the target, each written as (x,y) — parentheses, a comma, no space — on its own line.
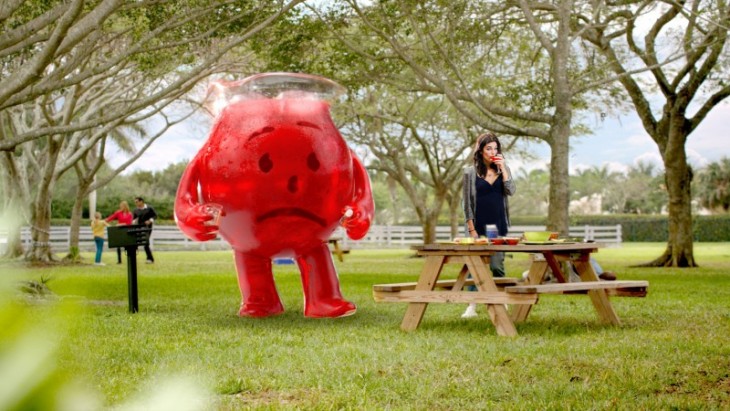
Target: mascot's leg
(322,296)
(256,282)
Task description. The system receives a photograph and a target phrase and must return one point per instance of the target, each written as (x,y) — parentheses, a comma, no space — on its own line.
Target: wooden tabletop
(519,248)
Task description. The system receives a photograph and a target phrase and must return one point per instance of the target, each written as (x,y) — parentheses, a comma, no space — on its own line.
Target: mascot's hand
(356,222)
(201,222)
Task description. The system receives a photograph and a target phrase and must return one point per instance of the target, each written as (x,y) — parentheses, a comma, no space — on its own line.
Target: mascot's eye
(265,163)
(312,162)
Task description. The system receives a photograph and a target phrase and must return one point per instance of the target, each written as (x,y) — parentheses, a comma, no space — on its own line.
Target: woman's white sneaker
(471,311)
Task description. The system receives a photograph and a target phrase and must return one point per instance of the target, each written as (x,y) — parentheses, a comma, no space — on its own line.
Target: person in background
(97,229)
(144,214)
(602,275)
(573,274)
(123,216)
(487,184)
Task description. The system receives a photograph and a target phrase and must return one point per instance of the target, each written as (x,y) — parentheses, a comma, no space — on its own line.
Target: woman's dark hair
(482,141)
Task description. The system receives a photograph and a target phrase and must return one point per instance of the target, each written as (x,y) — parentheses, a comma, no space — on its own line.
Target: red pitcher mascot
(275,178)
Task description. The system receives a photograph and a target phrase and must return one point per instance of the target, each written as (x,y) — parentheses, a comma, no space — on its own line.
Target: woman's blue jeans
(99,248)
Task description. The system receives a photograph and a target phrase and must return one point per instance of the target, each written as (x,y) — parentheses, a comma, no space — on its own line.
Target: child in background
(97,229)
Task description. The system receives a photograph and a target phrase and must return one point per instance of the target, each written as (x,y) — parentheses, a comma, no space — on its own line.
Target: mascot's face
(282,172)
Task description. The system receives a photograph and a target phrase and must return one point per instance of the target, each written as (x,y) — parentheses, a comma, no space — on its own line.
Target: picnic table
(497,292)
(338,250)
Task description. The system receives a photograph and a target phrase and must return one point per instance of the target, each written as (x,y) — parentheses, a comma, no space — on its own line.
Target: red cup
(214,210)
(495,158)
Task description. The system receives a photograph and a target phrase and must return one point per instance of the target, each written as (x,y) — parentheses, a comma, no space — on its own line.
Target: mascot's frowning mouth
(292,211)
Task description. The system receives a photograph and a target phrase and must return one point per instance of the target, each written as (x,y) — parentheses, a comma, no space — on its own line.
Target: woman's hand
(499,161)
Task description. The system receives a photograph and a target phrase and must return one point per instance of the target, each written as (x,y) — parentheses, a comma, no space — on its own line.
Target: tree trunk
(13,222)
(429,231)
(678,178)
(40,221)
(559,189)
(394,200)
(76,215)
(82,192)
(40,247)
(456,215)
(14,246)
(13,205)
(429,217)
(560,127)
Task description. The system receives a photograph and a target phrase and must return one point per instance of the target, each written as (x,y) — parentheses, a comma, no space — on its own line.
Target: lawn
(188,346)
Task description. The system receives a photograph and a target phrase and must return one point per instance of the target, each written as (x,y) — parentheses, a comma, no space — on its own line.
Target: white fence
(379,236)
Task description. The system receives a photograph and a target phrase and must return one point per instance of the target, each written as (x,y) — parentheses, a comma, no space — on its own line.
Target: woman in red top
(123,217)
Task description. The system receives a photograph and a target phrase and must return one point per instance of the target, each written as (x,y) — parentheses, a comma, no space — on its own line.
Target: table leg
(483,279)
(460,279)
(426,282)
(337,250)
(554,267)
(599,297)
(534,276)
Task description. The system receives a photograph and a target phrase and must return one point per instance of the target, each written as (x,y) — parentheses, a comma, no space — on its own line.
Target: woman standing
(487,184)
(124,217)
(97,229)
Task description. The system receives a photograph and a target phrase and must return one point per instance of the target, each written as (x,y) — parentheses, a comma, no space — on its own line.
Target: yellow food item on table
(464,240)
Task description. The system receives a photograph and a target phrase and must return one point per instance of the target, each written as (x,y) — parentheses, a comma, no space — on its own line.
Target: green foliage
(640,190)
(532,193)
(157,188)
(711,228)
(713,187)
(646,228)
(644,190)
(649,228)
(170,49)
(31,378)
(655,228)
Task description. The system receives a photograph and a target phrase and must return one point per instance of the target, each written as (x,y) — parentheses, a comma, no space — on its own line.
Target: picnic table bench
(446,284)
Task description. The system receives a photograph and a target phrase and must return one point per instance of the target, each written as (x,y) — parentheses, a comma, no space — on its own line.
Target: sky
(621,141)
(618,142)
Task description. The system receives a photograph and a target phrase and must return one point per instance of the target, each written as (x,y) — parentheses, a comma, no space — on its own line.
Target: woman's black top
(490,206)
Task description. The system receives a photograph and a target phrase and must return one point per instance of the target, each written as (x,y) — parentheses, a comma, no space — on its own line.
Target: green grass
(671,352)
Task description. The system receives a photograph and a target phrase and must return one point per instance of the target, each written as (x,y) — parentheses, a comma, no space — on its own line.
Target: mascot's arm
(362,204)
(190,215)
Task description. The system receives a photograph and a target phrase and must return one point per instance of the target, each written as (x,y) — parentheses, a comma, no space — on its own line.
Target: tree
(684,83)
(599,181)
(644,190)
(413,141)
(56,154)
(714,185)
(87,170)
(496,74)
(590,181)
(90,69)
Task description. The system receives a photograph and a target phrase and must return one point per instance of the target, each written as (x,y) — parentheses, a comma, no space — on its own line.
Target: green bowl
(537,235)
